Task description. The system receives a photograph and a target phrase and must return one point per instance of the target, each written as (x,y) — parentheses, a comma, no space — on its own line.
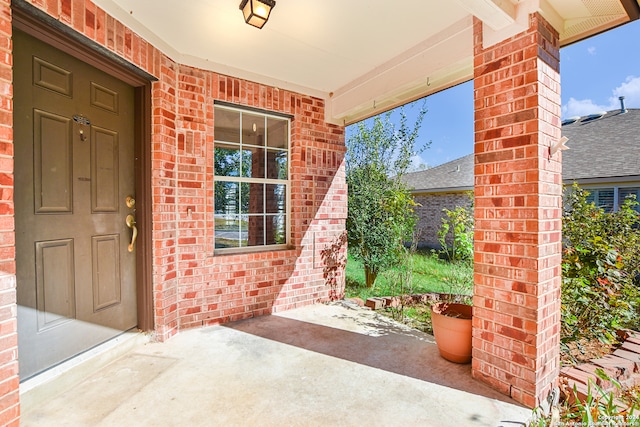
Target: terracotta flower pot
(452,330)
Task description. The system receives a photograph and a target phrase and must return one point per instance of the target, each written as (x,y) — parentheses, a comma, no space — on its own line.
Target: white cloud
(417,163)
(591,50)
(630,89)
(580,107)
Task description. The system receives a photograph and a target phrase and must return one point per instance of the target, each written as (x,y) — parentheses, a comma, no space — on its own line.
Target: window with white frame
(251,179)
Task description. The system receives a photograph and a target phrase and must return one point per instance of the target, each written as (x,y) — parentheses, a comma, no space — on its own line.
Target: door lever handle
(131,223)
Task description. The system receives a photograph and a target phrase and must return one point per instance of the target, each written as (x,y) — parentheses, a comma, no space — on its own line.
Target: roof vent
(570,120)
(592,117)
(623,109)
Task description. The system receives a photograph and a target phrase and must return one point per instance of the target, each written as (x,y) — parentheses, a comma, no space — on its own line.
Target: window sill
(252,250)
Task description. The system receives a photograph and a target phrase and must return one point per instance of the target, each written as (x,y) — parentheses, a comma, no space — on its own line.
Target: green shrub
(457,227)
(599,408)
(599,265)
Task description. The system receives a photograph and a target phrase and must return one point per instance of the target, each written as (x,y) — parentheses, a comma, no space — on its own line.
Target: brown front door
(74,169)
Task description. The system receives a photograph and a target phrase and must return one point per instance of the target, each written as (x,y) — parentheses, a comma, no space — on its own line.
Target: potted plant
(451,317)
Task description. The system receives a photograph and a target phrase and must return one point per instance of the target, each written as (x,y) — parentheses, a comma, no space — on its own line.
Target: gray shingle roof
(603,148)
(455,175)
(607,147)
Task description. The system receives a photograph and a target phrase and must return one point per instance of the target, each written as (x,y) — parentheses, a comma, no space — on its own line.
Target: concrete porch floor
(335,364)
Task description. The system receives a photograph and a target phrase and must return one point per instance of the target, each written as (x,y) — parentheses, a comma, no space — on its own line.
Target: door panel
(52,156)
(106,271)
(104,170)
(103,97)
(74,155)
(55,285)
(49,76)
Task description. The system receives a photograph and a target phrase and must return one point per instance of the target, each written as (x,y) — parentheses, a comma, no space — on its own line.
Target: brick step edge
(378,303)
(623,365)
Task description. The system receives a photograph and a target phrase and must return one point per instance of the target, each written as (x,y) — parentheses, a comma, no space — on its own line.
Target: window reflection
(227,159)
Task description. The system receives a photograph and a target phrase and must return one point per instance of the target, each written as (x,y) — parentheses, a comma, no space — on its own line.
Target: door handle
(131,223)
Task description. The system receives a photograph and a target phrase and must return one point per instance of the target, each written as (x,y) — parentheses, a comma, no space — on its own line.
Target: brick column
(518,204)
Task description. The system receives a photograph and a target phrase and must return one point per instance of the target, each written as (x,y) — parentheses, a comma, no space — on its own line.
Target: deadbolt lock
(130,201)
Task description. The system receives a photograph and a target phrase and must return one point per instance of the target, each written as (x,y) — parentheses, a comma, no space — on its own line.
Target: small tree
(457,224)
(381,215)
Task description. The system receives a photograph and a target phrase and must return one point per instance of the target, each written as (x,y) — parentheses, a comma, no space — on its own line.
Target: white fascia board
(497,14)
(491,36)
(523,10)
(437,63)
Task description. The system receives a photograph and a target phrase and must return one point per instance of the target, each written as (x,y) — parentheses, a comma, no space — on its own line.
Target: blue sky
(594,73)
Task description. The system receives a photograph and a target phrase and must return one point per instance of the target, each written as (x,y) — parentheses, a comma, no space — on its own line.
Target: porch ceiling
(361,56)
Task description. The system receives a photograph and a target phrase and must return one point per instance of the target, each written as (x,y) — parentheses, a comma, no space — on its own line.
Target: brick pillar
(518,205)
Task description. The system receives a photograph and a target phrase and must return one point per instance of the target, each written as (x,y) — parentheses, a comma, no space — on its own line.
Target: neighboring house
(444,186)
(220,147)
(603,157)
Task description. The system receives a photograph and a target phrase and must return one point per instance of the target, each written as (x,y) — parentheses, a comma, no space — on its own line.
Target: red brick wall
(430,214)
(9,396)
(221,288)
(517,213)
(192,286)
(164,182)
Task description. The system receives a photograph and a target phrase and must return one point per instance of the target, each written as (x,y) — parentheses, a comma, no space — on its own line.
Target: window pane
(227,125)
(591,197)
(227,231)
(252,129)
(277,164)
(276,229)
(253,162)
(631,191)
(226,198)
(244,230)
(254,199)
(277,133)
(245,189)
(276,198)
(226,160)
(255,235)
(604,198)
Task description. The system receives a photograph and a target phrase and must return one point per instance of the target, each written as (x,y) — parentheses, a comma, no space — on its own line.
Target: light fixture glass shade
(256,12)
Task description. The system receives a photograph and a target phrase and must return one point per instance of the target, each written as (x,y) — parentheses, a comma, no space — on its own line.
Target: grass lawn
(430,274)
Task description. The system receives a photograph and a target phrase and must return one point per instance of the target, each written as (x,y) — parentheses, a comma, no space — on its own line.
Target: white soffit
(361,56)
(584,18)
(320,45)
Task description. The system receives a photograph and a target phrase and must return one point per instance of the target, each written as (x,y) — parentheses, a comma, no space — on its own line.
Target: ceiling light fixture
(256,12)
